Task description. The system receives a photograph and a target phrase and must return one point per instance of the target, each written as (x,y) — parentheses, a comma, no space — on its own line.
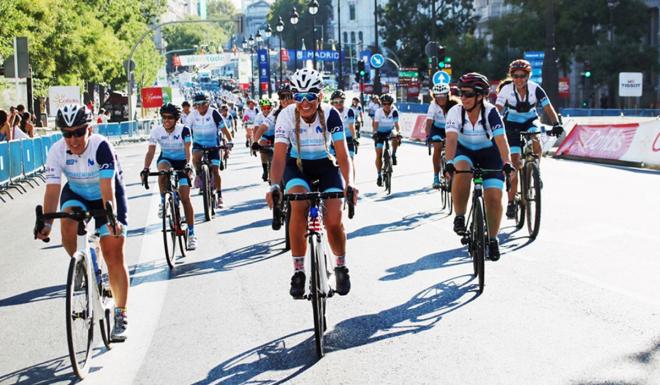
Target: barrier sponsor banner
(152,97)
(603,141)
(645,147)
(59,96)
(214,59)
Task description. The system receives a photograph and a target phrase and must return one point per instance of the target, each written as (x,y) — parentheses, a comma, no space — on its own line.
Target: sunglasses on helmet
(76,133)
(302,96)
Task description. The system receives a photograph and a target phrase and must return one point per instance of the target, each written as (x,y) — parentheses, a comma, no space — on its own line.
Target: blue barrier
(39,155)
(27,156)
(4,163)
(15,159)
(419,108)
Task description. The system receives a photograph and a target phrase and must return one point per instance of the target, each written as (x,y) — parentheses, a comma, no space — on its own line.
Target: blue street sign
(377,60)
(441,77)
(320,55)
(534,55)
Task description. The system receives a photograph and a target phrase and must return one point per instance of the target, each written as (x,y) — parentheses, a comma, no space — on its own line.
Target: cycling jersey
(480,135)
(249,115)
(357,110)
(347,117)
(521,110)
(205,128)
(386,121)
(436,114)
(312,144)
(172,145)
(269,121)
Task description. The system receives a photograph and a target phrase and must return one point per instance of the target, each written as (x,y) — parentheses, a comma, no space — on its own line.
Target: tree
(283,8)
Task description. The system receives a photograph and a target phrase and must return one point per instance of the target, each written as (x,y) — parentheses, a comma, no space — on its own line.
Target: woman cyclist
(435,124)
(475,137)
(386,123)
(518,101)
(262,121)
(303,133)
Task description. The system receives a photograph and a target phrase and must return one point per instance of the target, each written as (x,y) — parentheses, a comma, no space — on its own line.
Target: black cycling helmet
(284,89)
(476,81)
(72,115)
(386,99)
(200,98)
(339,94)
(185,104)
(170,109)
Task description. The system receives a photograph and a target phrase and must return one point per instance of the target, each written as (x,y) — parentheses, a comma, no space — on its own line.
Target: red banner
(152,97)
(419,130)
(285,55)
(564,87)
(604,141)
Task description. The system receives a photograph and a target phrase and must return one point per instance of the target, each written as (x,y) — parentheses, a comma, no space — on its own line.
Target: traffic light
(361,70)
(587,69)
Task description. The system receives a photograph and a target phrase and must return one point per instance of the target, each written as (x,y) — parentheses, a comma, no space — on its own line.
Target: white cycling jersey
(436,115)
(312,144)
(479,135)
(386,121)
(172,145)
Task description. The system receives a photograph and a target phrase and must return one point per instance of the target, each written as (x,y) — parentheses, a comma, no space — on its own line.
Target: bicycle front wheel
(206,194)
(478,234)
(318,300)
(520,201)
(169,235)
(387,172)
(533,199)
(79,316)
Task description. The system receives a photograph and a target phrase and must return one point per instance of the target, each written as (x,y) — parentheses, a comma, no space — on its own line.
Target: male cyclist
(518,101)
(385,123)
(205,124)
(185,107)
(249,115)
(175,142)
(347,115)
(303,133)
(359,116)
(476,137)
(435,125)
(262,124)
(93,177)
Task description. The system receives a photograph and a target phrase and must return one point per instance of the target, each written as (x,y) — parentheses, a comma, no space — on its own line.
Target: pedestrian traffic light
(361,69)
(587,69)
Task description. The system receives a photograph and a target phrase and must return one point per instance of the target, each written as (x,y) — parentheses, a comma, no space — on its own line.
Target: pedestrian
(5,128)
(26,124)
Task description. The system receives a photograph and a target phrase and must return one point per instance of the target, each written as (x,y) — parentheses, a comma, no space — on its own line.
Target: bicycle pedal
(464,240)
(117,340)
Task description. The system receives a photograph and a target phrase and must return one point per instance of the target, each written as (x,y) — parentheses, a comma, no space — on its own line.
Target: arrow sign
(377,60)
(441,77)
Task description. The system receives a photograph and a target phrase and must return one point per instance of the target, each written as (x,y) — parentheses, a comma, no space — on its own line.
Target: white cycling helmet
(306,80)
(440,89)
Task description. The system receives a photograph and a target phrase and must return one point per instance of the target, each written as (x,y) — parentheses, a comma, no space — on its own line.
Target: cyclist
(347,115)
(175,142)
(518,101)
(385,124)
(476,137)
(233,112)
(249,114)
(435,125)
(262,124)
(94,177)
(359,116)
(205,125)
(373,106)
(185,107)
(303,132)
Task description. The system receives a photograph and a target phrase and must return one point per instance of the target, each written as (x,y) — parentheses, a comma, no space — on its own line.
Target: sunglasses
(302,96)
(468,94)
(337,101)
(516,76)
(77,133)
(168,117)
(387,104)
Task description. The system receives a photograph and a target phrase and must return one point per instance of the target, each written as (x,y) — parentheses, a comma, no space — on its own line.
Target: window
(351,11)
(345,37)
(353,37)
(360,37)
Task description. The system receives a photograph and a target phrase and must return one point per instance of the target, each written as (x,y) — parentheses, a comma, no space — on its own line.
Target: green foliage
(304,29)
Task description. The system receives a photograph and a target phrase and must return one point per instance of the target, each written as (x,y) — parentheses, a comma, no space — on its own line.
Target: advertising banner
(564,87)
(152,97)
(214,59)
(603,141)
(264,66)
(309,55)
(630,84)
(58,96)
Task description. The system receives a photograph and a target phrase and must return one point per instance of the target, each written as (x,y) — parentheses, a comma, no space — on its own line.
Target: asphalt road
(579,305)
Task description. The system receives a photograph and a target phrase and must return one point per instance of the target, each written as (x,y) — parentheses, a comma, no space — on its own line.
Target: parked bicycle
(318,259)
(88,296)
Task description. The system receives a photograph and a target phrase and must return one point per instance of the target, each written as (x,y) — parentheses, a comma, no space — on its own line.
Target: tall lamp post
(280,27)
(313,9)
(268,32)
(251,44)
(340,83)
(259,39)
(294,20)
(611,4)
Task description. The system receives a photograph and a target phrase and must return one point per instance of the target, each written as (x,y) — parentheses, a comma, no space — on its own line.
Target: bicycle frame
(315,234)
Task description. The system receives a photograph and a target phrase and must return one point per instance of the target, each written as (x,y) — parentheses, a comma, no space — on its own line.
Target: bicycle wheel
(79,316)
(533,199)
(478,234)
(182,230)
(519,201)
(287,218)
(169,235)
(105,296)
(387,171)
(318,300)
(206,194)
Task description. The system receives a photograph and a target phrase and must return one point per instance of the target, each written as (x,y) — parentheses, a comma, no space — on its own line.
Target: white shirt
(312,144)
(477,136)
(436,115)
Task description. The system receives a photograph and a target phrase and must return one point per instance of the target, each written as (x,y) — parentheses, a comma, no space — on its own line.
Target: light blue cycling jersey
(172,145)
(205,129)
(347,117)
(386,121)
(83,172)
(521,110)
(312,145)
(436,114)
(480,135)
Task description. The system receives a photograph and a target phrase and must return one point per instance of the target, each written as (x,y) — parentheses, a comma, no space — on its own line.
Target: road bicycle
(174,225)
(88,296)
(387,168)
(319,261)
(445,183)
(208,181)
(476,235)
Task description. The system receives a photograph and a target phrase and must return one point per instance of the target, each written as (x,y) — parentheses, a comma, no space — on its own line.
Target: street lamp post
(313,8)
(268,32)
(280,27)
(251,44)
(294,20)
(340,82)
(611,4)
(259,39)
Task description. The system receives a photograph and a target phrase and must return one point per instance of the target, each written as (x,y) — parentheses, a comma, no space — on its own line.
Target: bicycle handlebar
(77,214)
(480,171)
(277,223)
(170,172)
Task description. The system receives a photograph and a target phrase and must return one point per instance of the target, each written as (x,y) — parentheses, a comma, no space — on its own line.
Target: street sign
(535,58)
(534,55)
(630,84)
(441,77)
(377,60)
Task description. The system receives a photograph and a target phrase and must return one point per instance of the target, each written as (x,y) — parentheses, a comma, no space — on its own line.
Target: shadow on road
(144,195)
(254,204)
(437,260)
(405,194)
(36,295)
(253,225)
(509,242)
(408,222)
(273,358)
(419,314)
(139,231)
(241,187)
(57,370)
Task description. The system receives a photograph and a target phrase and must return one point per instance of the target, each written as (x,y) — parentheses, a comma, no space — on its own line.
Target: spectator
(5,127)
(104,116)
(26,124)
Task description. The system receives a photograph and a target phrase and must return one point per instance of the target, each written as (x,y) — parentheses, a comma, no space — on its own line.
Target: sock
(219,194)
(341,261)
(298,264)
(191,229)
(120,310)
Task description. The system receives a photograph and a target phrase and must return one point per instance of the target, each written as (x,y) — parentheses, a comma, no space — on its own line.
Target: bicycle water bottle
(315,220)
(94,252)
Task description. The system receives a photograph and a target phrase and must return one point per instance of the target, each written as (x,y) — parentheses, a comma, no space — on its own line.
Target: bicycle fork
(315,228)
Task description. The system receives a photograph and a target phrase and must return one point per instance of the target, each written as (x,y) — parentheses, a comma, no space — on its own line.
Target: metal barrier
(419,108)
(125,131)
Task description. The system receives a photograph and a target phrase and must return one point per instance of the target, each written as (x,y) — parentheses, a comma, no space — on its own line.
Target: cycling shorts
(513,131)
(381,137)
(437,134)
(68,198)
(488,158)
(214,156)
(177,165)
(323,170)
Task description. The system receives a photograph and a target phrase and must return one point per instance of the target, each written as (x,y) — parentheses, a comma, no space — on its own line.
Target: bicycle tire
(387,171)
(533,199)
(479,240)
(450,198)
(206,194)
(169,235)
(519,201)
(318,301)
(105,297)
(104,325)
(79,316)
(287,219)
